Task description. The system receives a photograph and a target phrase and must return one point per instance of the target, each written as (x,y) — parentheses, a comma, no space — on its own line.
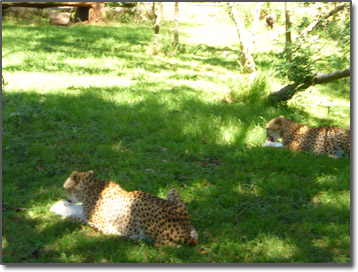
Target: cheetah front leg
(104,227)
(77,219)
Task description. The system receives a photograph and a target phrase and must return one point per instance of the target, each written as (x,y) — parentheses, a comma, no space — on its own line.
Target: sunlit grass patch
(271,248)
(321,106)
(331,198)
(90,97)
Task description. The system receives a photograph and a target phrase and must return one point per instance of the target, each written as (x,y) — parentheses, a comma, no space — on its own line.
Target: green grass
(90,97)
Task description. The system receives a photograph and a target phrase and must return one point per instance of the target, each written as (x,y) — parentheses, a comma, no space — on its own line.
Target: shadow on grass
(65,49)
(32,240)
(79,42)
(242,200)
(227,64)
(74,38)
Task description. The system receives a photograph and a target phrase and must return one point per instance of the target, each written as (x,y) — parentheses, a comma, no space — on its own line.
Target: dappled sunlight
(272,248)
(332,199)
(320,106)
(120,147)
(4,242)
(247,189)
(328,180)
(256,136)
(335,195)
(228,134)
(90,97)
(186,144)
(57,83)
(233,130)
(212,34)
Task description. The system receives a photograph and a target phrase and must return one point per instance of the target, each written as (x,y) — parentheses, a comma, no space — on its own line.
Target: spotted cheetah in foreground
(332,141)
(138,215)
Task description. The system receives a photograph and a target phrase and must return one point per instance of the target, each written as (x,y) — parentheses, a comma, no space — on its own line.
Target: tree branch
(255,24)
(324,78)
(316,23)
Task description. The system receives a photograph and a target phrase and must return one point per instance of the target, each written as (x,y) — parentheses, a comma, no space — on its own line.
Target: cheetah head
(274,129)
(76,184)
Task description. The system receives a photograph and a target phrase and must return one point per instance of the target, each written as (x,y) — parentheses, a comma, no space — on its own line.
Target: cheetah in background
(332,141)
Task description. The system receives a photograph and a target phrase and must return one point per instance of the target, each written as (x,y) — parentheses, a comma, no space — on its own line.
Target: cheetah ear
(90,173)
(279,120)
(72,180)
(75,176)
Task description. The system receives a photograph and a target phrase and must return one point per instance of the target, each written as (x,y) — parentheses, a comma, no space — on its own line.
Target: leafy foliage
(312,53)
(300,68)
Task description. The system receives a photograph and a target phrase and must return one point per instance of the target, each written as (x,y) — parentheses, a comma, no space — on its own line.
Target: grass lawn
(90,97)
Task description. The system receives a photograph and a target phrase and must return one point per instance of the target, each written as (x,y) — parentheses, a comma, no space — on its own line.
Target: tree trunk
(96,13)
(255,24)
(288,34)
(176,24)
(288,91)
(157,17)
(139,11)
(246,45)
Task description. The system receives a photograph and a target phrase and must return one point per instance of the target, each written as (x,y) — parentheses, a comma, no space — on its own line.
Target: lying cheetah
(138,215)
(332,141)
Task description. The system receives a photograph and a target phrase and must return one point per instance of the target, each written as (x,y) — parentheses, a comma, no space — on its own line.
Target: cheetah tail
(193,238)
(192,241)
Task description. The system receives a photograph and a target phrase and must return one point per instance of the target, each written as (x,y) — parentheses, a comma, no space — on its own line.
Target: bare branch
(316,23)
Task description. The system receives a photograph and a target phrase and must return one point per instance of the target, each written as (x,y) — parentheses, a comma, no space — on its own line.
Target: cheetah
(111,210)
(332,141)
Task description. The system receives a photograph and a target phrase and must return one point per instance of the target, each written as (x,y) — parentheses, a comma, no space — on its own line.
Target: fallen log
(46,4)
(288,91)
